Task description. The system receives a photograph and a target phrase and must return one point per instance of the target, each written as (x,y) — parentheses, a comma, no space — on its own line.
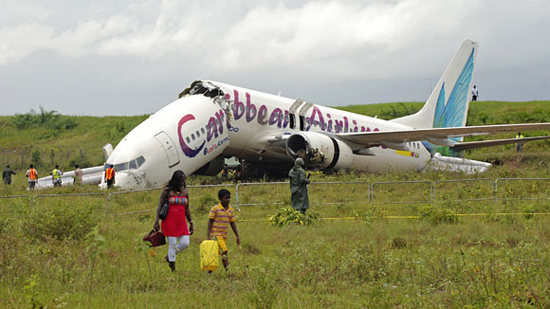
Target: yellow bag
(209,255)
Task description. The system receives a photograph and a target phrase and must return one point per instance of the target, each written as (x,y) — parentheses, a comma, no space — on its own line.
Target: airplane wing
(495,142)
(438,136)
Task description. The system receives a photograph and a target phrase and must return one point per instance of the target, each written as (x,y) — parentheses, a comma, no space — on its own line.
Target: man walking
(56,176)
(110,176)
(33,176)
(298,186)
(474,93)
(6,175)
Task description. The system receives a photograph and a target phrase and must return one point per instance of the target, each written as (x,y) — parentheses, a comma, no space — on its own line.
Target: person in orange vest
(33,176)
(110,176)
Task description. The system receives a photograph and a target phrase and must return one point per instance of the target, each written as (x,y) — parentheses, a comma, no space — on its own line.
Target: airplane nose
(127,180)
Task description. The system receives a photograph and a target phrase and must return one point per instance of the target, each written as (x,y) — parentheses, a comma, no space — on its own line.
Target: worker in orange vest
(110,176)
(33,176)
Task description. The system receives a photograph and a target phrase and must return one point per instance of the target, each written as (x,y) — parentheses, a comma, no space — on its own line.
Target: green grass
(372,261)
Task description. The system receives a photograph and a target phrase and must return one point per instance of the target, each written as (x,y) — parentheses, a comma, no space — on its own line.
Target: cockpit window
(140,160)
(121,167)
(132,164)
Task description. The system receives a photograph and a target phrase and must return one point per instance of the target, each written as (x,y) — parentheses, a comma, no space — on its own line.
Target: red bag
(154,239)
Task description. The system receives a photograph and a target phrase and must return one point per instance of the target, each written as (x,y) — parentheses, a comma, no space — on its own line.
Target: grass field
(357,256)
(444,254)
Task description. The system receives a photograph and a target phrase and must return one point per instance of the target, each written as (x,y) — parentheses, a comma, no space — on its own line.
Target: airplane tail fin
(448,104)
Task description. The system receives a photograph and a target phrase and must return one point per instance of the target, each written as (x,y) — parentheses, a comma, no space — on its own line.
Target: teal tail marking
(453,112)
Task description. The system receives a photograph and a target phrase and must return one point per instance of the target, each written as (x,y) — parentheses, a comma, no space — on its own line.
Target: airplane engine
(212,168)
(322,151)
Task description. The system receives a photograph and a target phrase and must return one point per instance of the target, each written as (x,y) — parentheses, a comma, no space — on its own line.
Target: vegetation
(86,251)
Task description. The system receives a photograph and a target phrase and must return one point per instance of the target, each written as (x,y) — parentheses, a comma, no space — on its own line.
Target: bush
(436,215)
(66,223)
(205,203)
(287,215)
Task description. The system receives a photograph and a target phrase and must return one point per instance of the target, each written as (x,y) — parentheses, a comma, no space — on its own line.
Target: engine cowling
(322,151)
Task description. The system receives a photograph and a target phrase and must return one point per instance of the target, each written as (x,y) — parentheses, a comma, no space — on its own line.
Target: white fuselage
(194,130)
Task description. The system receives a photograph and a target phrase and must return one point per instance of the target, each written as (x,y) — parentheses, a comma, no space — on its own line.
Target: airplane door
(292,111)
(169,147)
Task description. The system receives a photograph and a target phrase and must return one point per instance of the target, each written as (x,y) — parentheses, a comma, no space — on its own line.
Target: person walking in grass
(33,177)
(175,226)
(298,186)
(56,176)
(78,174)
(6,175)
(220,218)
(110,176)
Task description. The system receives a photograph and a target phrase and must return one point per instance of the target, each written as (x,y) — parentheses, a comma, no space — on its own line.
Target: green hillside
(46,138)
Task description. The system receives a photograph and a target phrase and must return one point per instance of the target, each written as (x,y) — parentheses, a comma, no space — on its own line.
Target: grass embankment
(437,259)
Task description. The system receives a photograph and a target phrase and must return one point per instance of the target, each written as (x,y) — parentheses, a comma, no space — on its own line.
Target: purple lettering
(262,114)
(314,113)
(276,117)
(250,109)
(339,124)
(238,107)
(346,126)
(186,149)
(219,116)
(287,120)
(212,129)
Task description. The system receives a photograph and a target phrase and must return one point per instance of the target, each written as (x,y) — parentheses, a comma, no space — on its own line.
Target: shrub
(62,223)
(436,215)
(287,215)
(205,203)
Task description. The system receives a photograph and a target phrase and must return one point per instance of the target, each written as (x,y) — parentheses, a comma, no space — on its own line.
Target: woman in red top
(174,226)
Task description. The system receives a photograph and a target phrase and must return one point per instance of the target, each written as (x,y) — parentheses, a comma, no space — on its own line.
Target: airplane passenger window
(198,134)
(202,130)
(193,136)
(188,140)
(140,160)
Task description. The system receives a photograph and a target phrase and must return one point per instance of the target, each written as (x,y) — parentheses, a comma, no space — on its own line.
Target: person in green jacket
(6,175)
(298,186)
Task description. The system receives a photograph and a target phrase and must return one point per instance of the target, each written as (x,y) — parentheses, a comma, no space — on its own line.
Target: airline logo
(214,127)
(280,118)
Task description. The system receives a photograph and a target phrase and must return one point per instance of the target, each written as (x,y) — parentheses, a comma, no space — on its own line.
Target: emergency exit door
(169,147)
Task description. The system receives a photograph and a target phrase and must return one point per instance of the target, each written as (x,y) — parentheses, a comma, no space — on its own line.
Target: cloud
(390,45)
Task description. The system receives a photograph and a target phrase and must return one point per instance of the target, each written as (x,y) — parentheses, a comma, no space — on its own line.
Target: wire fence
(277,194)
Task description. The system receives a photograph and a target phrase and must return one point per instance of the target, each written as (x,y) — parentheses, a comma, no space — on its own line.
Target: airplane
(212,121)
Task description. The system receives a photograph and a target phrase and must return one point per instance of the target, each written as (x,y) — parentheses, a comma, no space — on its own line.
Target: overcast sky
(133,57)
